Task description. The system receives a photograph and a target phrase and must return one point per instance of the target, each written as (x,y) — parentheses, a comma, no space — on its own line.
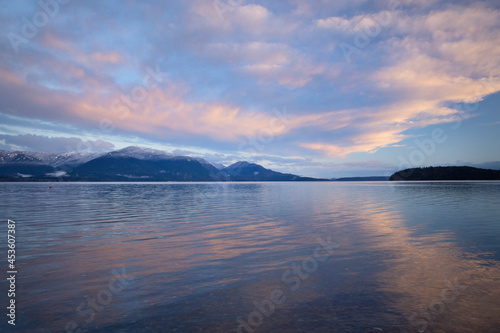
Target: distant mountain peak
(241,164)
(52,159)
(140,153)
(246,171)
(18,157)
(135,149)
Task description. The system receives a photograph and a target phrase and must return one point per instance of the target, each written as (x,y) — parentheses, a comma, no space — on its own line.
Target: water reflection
(203,255)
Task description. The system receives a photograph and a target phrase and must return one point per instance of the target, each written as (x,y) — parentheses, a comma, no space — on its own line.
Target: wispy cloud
(225,72)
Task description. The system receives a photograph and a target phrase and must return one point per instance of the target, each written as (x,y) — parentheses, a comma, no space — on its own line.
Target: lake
(254,257)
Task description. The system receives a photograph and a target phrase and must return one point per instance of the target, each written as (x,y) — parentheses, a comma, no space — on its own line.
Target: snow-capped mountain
(140,153)
(52,159)
(71,159)
(245,171)
(205,162)
(133,163)
(155,154)
(18,157)
(129,164)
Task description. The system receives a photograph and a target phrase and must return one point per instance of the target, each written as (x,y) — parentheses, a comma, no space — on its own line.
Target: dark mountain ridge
(446,173)
(362,179)
(245,171)
(123,168)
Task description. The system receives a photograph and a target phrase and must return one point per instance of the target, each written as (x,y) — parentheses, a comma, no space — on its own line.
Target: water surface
(212,257)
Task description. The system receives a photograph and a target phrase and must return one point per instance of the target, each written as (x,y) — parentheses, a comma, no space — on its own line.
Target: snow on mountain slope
(18,157)
(140,153)
(73,159)
(52,159)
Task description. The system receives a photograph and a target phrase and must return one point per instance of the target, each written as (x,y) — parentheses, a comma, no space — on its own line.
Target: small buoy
(50,186)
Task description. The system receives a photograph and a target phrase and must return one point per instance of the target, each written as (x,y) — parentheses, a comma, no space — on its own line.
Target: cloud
(57,174)
(367,142)
(456,63)
(269,62)
(30,142)
(357,23)
(227,69)
(246,20)
(112,57)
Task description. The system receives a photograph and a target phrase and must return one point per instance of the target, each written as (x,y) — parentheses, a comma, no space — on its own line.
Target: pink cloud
(110,57)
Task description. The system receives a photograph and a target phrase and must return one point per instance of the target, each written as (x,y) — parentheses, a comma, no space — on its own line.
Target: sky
(312,87)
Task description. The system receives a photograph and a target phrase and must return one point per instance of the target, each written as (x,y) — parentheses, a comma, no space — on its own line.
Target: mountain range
(129,164)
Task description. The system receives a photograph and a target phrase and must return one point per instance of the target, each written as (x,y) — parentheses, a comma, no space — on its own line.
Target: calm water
(248,257)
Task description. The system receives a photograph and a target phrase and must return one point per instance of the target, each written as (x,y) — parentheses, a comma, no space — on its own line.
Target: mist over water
(212,257)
